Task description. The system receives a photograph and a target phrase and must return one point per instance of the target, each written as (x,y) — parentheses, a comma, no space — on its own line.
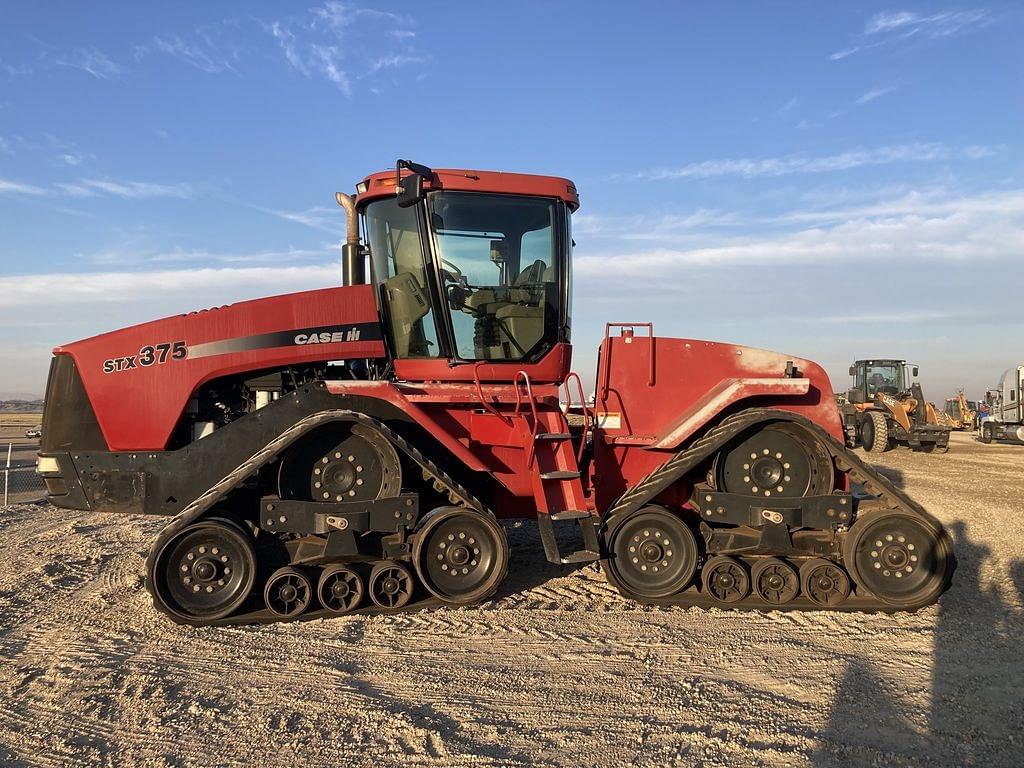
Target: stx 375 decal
(151,354)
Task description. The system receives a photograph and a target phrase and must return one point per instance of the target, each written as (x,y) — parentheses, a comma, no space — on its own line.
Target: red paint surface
(383,185)
(138,409)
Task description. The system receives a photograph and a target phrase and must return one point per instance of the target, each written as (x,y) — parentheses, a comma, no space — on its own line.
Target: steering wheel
(452,273)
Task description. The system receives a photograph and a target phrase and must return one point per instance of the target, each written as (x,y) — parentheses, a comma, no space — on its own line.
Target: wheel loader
(361,447)
(884,408)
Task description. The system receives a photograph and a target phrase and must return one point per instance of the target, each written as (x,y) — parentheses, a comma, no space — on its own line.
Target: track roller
(775,581)
(205,571)
(651,553)
(824,583)
(726,579)
(288,592)
(341,589)
(391,585)
(461,555)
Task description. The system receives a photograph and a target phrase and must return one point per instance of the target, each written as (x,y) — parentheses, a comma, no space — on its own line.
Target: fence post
(7,471)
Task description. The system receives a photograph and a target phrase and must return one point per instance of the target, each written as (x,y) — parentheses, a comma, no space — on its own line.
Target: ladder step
(562,474)
(580,556)
(570,514)
(552,436)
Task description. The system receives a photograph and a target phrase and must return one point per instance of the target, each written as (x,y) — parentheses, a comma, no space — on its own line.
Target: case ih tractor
(357,447)
(883,408)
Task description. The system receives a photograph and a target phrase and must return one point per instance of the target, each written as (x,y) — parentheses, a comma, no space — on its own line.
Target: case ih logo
(328,337)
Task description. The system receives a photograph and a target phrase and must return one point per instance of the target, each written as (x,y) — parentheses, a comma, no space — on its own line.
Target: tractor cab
(470,267)
(874,377)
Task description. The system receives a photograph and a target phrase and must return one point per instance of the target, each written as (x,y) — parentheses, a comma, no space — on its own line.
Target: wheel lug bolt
(190,556)
(184,569)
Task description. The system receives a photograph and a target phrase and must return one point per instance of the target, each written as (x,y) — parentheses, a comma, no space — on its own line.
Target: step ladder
(555,476)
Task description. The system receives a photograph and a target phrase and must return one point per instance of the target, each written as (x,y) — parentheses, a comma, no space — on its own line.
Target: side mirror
(410,190)
(853,370)
(915,371)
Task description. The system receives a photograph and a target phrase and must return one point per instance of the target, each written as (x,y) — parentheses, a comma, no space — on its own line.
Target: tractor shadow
(893,475)
(975,717)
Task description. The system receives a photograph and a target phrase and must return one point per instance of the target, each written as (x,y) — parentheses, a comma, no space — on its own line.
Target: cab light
(47,465)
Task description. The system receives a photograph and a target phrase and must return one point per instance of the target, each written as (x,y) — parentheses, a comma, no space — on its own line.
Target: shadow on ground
(976,715)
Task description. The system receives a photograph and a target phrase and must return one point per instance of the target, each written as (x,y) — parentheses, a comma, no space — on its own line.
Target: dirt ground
(558,670)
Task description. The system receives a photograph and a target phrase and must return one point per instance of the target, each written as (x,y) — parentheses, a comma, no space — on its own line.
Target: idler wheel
(775,581)
(340,589)
(725,579)
(205,571)
(652,553)
(391,585)
(779,460)
(288,592)
(824,583)
(460,555)
(902,559)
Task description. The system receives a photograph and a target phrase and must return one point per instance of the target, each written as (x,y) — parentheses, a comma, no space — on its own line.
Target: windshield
(498,271)
(885,377)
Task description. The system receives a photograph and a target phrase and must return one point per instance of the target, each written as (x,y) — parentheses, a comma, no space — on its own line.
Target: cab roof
(381,185)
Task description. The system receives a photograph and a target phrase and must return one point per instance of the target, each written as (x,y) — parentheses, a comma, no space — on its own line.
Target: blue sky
(828,179)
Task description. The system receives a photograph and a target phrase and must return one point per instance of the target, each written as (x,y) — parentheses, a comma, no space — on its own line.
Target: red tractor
(357,447)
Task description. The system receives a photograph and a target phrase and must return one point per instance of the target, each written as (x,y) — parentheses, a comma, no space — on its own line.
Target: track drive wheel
(775,581)
(874,432)
(288,592)
(461,555)
(340,589)
(651,553)
(777,460)
(901,558)
(824,583)
(726,579)
(205,571)
(391,585)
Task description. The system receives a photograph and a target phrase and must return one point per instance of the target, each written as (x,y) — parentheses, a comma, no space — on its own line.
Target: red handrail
(583,404)
(480,394)
(529,392)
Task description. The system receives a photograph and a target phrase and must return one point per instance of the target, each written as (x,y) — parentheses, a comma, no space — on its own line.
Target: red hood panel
(140,378)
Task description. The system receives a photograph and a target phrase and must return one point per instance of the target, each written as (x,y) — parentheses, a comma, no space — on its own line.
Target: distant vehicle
(1006,411)
(35,432)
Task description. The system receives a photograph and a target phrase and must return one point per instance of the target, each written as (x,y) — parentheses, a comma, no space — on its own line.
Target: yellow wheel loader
(884,408)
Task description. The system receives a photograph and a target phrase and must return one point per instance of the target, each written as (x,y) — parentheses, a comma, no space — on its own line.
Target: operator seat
(524,322)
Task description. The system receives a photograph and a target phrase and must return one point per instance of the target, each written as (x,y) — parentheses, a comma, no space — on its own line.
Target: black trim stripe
(360,332)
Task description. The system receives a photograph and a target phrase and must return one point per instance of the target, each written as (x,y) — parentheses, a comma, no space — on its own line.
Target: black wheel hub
(779,460)
(825,583)
(654,553)
(205,571)
(775,581)
(340,588)
(726,579)
(354,465)
(391,585)
(288,592)
(897,557)
(461,555)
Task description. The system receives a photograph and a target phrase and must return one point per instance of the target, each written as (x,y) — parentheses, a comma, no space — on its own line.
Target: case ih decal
(330,334)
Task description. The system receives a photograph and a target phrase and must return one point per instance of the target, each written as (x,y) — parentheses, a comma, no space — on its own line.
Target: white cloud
(141,287)
(921,228)
(876,93)
(891,27)
(802,164)
(125,189)
(344,44)
(206,50)
(93,61)
(17,188)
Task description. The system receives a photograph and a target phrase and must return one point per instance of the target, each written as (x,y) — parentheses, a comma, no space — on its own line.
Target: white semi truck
(1006,411)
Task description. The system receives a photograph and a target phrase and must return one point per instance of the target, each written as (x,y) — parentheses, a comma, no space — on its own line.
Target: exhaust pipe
(353,270)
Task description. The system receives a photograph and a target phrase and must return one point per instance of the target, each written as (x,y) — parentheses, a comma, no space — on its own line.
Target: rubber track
(457,494)
(886,497)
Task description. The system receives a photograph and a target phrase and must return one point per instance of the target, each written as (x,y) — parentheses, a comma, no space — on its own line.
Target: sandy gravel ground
(559,670)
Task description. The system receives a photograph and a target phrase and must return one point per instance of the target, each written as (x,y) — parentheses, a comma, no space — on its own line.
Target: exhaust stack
(353,270)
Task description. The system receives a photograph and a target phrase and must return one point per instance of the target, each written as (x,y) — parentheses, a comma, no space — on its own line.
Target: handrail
(480,393)
(529,392)
(608,352)
(586,413)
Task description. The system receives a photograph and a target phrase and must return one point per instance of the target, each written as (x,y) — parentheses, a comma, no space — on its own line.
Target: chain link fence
(18,480)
